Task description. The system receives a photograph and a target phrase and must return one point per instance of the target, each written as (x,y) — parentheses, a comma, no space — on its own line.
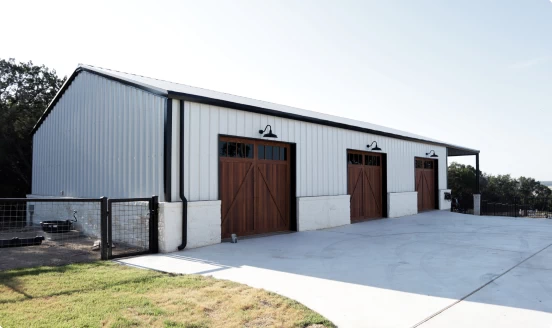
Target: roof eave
(308,119)
(455,150)
(59,94)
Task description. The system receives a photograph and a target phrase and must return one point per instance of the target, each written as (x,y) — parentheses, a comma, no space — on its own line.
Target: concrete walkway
(437,269)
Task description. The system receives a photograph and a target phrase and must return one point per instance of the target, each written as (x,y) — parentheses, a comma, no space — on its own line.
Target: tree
(498,188)
(461,180)
(25,92)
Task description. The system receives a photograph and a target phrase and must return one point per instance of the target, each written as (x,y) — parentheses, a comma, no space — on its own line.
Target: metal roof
(186,92)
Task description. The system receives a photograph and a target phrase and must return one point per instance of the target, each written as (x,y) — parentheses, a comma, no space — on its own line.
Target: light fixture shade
(432,152)
(376,148)
(269,134)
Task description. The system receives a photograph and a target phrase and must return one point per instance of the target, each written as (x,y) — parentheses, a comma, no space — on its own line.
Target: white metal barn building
(239,165)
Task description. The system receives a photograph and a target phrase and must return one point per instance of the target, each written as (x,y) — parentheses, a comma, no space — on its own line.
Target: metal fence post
(104,227)
(154,225)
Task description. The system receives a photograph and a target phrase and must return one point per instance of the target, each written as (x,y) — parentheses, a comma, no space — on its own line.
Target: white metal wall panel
(102,138)
(321,152)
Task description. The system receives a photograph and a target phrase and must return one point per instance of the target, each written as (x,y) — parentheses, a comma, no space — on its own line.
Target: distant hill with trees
(546,183)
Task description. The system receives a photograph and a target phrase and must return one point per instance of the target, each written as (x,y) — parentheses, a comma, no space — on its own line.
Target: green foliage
(498,188)
(25,92)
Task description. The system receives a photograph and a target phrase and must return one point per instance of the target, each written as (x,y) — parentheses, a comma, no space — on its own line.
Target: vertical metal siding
(321,152)
(101,139)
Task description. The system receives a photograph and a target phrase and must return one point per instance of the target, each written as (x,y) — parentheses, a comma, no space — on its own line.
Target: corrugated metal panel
(164,86)
(321,152)
(102,139)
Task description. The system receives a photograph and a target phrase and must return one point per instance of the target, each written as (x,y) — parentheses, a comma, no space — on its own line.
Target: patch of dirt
(49,253)
(66,250)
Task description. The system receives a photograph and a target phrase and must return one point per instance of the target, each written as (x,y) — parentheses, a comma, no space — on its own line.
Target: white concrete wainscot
(402,204)
(323,212)
(204,225)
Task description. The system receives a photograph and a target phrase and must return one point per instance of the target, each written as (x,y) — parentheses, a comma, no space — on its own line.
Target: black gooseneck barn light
(269,134)
(432,151)
(375,148)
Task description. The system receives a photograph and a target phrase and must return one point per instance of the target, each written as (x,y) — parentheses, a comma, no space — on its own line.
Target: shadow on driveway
(395,272)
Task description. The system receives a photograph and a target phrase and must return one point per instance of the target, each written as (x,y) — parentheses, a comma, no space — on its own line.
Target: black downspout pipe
(181,182)
(168,150)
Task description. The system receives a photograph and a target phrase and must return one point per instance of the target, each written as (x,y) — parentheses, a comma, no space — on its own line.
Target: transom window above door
(427,164)
(354,159)
(360,159)
(372,160)
(235,149)
(273,153)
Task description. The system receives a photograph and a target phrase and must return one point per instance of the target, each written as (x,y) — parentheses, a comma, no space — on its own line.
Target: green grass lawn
(105,294)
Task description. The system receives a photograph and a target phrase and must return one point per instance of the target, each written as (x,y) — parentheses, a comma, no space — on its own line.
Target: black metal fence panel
(538,210)
(56,231)
(461,205)
(132,227)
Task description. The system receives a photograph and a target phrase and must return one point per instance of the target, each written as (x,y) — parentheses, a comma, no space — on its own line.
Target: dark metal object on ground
(56,226)
(19,242)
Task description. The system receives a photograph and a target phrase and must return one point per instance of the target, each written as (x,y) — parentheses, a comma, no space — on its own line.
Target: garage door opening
(254,186)
(366,184)
(426,173)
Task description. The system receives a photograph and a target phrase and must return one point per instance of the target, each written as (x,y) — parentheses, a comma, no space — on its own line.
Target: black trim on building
(167,158)
(455,150)
(307,119)
(436,182)
(293,187)
(384,185)
(181,181)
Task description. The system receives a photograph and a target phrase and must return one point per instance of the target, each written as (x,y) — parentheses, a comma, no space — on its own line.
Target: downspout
(181,182)
(168,151)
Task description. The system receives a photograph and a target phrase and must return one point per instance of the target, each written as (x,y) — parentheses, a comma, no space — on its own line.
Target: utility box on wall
(445,199)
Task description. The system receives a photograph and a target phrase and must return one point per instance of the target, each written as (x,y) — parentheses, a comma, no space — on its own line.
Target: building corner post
(477,195)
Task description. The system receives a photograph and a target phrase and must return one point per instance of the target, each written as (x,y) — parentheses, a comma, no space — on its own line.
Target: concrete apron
(433,269)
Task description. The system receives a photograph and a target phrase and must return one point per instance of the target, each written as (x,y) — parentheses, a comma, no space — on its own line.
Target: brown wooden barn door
(364,184)
(254,186)
(273,187)
(425,183)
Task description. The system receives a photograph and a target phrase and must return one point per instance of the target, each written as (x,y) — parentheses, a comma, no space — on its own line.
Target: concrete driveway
(436,269)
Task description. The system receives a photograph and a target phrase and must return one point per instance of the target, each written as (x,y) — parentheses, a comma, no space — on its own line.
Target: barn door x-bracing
(254,187)
(365,185)
(426,171)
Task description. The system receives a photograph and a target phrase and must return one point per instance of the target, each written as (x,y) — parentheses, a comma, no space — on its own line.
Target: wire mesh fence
(55,231)
(37,232)
(131,221)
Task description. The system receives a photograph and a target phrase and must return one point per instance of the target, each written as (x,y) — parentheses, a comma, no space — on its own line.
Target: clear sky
(476,73)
